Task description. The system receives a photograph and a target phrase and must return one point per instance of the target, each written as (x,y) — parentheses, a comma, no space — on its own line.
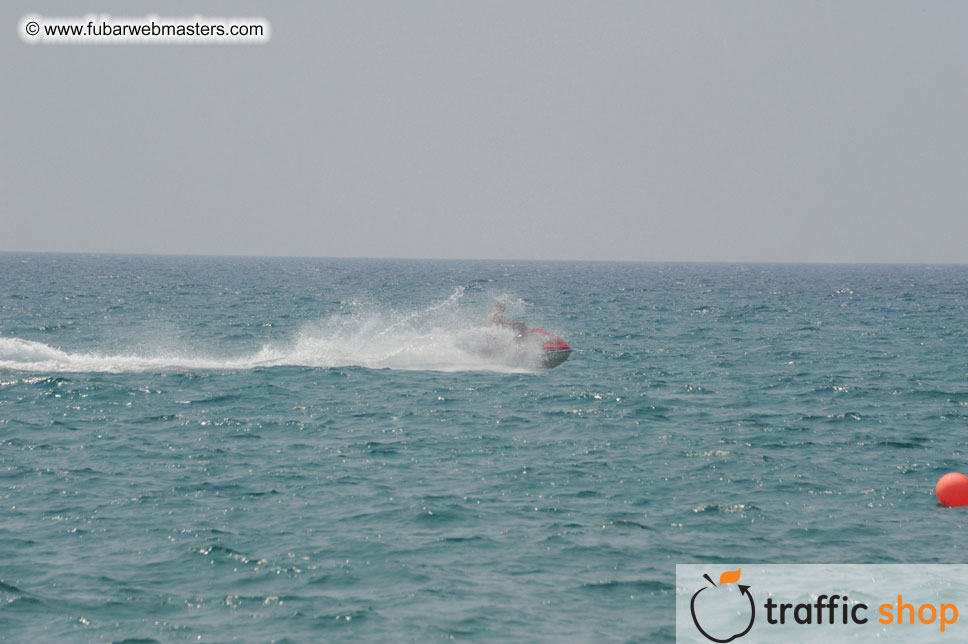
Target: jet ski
(554,350)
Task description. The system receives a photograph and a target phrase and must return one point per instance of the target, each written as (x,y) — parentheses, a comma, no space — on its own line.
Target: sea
(232,449)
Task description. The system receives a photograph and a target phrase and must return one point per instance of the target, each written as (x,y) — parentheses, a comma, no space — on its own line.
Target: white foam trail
(435,339)
(468,350)
(26,355)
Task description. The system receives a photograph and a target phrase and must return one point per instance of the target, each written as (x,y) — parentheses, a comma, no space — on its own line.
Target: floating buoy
(952,489)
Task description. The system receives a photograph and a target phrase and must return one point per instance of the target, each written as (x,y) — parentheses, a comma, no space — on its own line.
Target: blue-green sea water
(315,450)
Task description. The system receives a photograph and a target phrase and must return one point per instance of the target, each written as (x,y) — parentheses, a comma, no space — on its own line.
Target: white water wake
(438,338)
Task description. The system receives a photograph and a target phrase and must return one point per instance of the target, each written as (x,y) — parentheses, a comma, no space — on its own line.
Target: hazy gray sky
(756,131)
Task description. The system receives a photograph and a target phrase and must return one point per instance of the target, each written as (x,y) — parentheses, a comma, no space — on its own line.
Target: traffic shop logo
(718,599)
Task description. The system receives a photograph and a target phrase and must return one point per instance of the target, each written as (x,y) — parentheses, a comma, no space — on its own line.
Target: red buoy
(952,489)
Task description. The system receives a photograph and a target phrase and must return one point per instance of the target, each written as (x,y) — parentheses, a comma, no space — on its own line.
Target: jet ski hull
(554,350)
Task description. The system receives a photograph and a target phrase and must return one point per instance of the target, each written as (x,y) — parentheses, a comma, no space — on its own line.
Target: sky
(527,129)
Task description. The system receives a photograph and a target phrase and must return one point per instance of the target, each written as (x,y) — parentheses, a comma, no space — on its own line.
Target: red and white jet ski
(554,350)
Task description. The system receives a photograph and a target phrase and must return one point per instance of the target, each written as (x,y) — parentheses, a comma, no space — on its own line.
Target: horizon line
(491,259)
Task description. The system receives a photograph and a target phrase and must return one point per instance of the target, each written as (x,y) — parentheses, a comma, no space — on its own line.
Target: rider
(499,319)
